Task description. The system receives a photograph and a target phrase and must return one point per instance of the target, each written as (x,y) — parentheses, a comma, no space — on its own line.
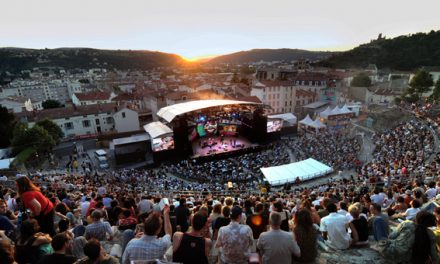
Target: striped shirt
(98,230)
(146,248)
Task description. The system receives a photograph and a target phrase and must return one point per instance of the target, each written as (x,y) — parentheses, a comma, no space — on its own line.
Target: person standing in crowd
(278,207)
(182,215)
(41,207)
(149,246)
(305,235)
(257,222)
(98,229)
(60,243)
(276,245)
(223,220)
(235,239)
(192,247)
(334,229)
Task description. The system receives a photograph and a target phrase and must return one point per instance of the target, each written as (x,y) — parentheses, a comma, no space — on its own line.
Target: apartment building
(83,120)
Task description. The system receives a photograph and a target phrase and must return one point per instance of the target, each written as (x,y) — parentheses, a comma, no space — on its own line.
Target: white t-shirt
(411,213)
(84,206)
(336,227)
(430,193)
(378,198)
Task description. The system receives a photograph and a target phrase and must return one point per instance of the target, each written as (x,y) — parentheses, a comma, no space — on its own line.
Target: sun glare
(199,58)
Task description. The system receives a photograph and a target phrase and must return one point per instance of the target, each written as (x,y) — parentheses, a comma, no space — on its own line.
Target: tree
(53,129)
(436,92)
(361,80)
(421,82)
(48,104)
(7,123)
(36,138)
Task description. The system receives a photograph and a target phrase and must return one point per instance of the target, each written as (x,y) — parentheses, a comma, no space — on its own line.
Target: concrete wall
(126,120)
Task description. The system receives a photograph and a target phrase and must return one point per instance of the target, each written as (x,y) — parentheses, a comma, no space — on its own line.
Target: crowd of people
(243,169)
(403,150)
(337,150)
(130,216)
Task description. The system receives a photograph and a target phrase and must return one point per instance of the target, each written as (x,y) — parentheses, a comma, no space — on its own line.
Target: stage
(216,145)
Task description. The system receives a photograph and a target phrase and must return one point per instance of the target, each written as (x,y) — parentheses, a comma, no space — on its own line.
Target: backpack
(285,223)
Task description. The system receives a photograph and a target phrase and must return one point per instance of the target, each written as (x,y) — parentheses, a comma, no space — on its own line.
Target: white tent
(317,124)
(288,117)
(157,129)
(304,170)
(335,111)
(345,110)
(6,163)
(306,121)
(325,113)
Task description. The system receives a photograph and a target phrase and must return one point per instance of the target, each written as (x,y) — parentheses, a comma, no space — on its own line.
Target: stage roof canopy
(305,170)
(157,129)
(170,112)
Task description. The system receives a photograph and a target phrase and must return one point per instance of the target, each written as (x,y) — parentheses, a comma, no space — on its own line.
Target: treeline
(15,59)
(401,53)
(257,55)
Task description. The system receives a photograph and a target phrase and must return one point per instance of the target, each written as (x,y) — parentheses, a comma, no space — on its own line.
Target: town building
(87,120)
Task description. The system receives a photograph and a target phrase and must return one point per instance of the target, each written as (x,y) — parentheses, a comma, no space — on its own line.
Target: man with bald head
(276,245)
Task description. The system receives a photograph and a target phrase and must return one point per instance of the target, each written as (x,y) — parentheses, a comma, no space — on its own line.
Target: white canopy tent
(335,111)
(306,121)
(170,112)
(325,113)
(304,170)
(345,110)
(157,129)
(287,117)
(6,163)
(317,124)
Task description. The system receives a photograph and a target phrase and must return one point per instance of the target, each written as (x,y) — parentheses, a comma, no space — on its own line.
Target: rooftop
(93,96)
(68,111)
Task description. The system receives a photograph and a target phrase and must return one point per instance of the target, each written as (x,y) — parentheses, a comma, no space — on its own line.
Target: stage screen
(163,143)
(207,129)
(228,130)
(274,125)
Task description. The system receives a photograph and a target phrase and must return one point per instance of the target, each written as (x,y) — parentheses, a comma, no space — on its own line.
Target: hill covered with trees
(407,52)
(17,59)
(256,55)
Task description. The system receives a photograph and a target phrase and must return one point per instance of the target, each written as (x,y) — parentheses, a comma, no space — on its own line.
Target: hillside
(257,55)
(401,53)
(16,59)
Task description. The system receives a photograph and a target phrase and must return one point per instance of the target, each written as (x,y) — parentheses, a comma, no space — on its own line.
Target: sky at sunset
(193,28)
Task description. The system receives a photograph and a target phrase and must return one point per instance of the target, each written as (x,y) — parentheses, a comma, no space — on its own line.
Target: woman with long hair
(305,234)
(424,249)
(41,207)
(307,204)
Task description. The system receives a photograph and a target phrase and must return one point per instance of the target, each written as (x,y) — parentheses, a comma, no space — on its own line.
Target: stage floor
(213,145)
